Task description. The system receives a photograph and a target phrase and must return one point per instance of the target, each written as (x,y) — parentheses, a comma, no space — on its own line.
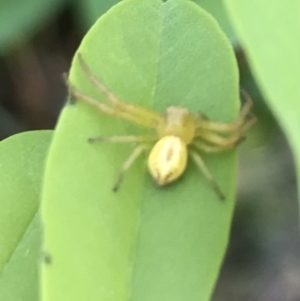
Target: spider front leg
(226,142)
(213,149)
(245,117)
(232,139)
(121,139)
(118,105)
(140,120)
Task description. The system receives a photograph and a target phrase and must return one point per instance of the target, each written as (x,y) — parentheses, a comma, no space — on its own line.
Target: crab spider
(179,134)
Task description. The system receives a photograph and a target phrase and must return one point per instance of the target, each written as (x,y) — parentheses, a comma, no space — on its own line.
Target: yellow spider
(178,134)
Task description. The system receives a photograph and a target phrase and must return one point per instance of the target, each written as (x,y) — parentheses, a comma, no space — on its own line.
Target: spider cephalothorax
(177,134)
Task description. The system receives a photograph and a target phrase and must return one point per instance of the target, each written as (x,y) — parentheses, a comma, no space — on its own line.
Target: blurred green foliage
(22,165)
(20,20)
(274,58)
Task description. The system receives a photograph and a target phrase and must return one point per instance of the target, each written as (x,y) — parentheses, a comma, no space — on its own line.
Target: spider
(179,134)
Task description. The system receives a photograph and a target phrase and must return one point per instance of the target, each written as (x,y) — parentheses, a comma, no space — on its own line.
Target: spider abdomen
(167,160)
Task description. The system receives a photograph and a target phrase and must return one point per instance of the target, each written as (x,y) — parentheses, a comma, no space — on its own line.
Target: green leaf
(268,32)
(19,278)
(144,242)
(21,159)
(90,10)
(19,19)
(217,9)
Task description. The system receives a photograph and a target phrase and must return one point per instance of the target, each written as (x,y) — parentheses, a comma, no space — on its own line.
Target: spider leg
(130,160)
(228,127)
(106,109)
(213,149)
(249,123)
(122,139)
(126,107)
(201,165)
(220,140)
(234,139)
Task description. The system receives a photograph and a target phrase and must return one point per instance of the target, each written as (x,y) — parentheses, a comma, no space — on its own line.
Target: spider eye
(167,160)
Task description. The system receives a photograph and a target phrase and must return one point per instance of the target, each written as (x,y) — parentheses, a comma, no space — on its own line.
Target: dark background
(263,261)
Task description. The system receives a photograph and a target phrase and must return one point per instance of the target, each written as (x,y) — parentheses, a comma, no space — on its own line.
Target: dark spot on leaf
(47,258)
